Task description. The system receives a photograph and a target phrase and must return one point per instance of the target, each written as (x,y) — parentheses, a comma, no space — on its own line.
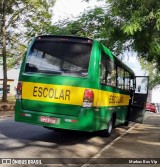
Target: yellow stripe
(112,99)
(70,95)
(53,93)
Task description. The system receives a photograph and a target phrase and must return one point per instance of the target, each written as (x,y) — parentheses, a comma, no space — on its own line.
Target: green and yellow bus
(76,83)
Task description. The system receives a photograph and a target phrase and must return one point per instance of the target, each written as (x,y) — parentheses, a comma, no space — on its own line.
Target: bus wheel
(126,123)
(107,132)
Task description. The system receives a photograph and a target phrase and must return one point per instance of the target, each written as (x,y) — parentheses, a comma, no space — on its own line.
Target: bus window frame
(117,64)
(107,59)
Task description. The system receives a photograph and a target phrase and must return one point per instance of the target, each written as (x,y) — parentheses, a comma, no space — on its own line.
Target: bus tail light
(88,98)
(19,90)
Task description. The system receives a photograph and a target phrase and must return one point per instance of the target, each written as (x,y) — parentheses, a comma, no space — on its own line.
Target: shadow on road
(24,131)
(20,140)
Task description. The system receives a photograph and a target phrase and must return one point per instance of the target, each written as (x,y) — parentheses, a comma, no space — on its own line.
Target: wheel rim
(110,127)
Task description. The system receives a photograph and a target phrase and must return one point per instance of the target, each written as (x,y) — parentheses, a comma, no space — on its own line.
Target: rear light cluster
(71,120)
(19,90)
(88,98)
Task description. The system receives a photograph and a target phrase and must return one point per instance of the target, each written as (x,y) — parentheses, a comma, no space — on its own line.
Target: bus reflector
(89,41)
(19,90)
(88,98)
(25,115)
(71,120)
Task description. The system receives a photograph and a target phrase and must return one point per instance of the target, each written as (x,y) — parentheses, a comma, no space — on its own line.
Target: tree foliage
(125,24)
(24,20)
(140,22)
(97,24)
(121,25)
(152,72)
(20,21)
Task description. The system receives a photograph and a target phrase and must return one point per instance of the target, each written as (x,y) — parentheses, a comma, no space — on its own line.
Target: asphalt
(139,146)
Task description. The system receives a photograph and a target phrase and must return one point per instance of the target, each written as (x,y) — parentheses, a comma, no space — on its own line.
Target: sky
(130,59)
(72,8)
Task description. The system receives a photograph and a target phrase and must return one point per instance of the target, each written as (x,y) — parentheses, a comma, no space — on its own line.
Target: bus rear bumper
(86,121)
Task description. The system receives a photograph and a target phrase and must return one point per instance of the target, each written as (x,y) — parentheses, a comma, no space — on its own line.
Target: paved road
(20,140)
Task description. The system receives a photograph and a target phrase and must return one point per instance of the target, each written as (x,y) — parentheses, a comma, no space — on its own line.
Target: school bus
(76,83)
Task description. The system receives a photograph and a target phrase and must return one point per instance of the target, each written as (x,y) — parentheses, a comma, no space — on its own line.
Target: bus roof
(66,38)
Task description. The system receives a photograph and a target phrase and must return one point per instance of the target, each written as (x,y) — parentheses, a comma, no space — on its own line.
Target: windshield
(59,57)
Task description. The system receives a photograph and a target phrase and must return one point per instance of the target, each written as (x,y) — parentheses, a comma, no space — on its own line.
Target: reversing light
(25,115)
(88,98)
(71,120)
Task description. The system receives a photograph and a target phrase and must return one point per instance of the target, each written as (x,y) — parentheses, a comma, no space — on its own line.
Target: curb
(110,144)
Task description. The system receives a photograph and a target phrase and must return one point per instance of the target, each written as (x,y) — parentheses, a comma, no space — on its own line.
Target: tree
(21,20)
(95,23)
(89,24)
(126,24)
(137,24)
(152,72)
(139,20)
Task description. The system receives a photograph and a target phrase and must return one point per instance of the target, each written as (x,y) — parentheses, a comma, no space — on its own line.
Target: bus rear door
(137,108)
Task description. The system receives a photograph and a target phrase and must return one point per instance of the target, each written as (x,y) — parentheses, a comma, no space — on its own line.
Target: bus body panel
(50,97)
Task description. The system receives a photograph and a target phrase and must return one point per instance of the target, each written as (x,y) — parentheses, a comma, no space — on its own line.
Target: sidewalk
(142,141)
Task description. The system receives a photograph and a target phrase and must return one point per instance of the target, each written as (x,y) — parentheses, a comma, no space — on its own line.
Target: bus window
(47,56)
(108,71)
(111,73)
(120,79)
(132,84)
(127,80)
(103,70)
(141,85)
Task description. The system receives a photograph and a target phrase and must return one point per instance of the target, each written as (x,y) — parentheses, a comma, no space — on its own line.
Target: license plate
(49,120)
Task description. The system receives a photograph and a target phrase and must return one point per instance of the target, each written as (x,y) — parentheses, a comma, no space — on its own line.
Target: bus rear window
(59,57)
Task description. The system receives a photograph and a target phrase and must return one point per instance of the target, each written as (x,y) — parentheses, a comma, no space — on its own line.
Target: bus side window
(120,78)
(108,71)
(131,84)
(103,70)
(127,80)
(111,73)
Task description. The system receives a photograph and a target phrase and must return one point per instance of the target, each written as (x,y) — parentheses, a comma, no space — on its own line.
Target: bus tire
(126,123)
(107,132)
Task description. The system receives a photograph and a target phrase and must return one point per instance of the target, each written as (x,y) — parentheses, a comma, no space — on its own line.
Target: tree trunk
(4,54)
